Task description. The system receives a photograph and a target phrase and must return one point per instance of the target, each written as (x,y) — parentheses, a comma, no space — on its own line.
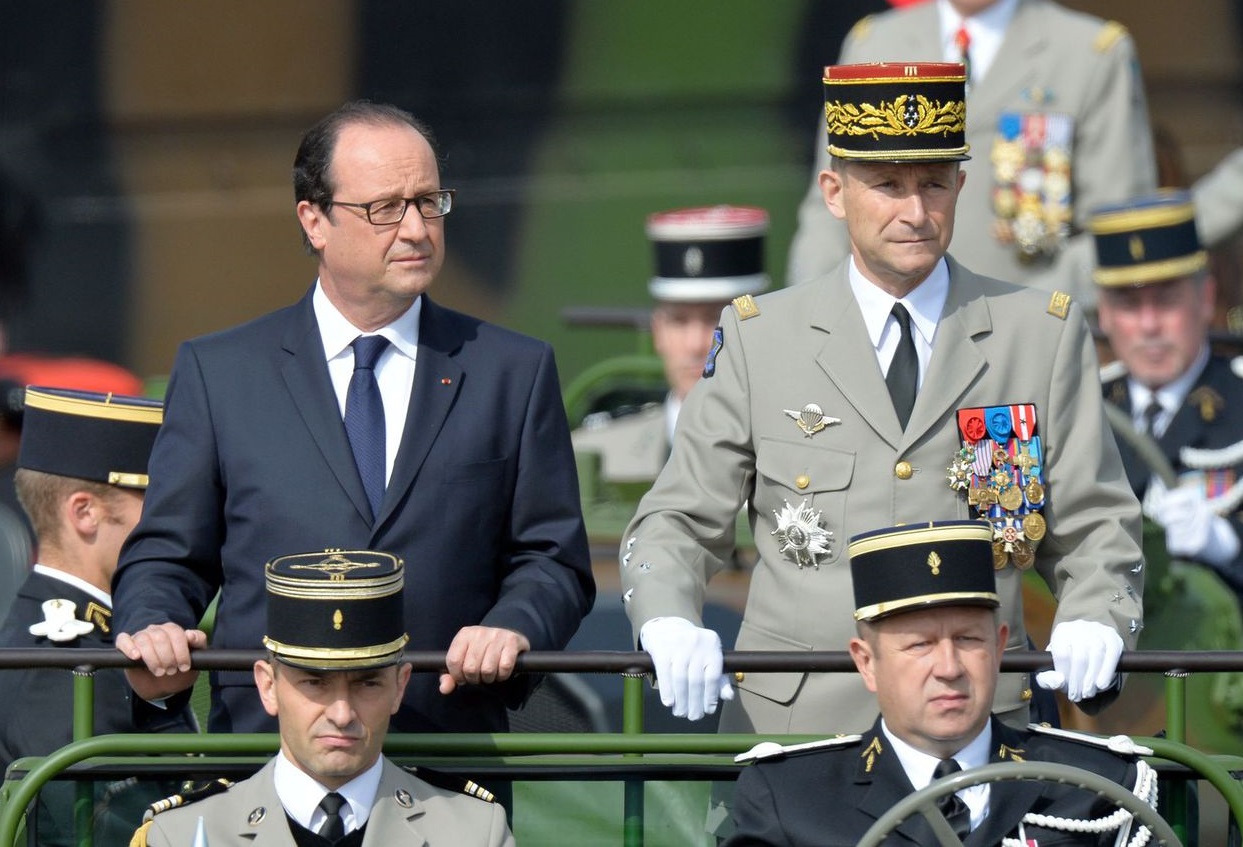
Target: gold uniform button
(802,481)
(903,470)
(1026,695)
(739,676)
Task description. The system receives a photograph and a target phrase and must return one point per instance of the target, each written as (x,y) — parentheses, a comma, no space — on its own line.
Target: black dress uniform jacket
(1211,418)
(36,715)
(831,797)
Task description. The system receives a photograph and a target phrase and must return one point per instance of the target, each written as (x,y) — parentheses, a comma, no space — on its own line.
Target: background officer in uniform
(824,416)
(333,678)
(81,474)
(1059,125)
(1156,304)
(929,644)
(705,257)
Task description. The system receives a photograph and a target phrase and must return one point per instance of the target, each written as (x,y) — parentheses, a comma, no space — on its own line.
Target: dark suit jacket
(783,801)
(37,716)
(252,462)
(1211,418)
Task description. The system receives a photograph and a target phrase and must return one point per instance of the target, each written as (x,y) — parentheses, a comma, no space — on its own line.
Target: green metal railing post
(632,724)
(83,727)
(1179,805)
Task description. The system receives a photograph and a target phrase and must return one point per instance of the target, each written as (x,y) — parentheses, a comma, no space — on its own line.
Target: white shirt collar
(925,304)
(919,767)
(77,582)
(1171,396)
(337,333)
(300,794)
(987,30)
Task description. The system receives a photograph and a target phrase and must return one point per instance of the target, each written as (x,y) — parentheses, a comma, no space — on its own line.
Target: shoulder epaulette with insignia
(191,792)
(1123,745)
(773,750)
(1059,304)
(1114,370)
(1111,33)
(861,29)
(746,307)
(452,782)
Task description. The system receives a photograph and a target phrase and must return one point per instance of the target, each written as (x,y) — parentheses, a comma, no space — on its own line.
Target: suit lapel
(391,822)
(306,376)
(849,359)
(437,381)
(259,800)
(956,361)
(883,782)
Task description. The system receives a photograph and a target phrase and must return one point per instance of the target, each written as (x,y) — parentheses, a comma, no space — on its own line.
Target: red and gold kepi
(897,111)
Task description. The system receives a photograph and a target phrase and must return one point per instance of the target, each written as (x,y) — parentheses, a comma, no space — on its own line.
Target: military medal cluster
(1000,468)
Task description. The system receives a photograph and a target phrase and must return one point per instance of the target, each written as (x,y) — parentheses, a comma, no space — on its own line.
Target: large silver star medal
(803,540)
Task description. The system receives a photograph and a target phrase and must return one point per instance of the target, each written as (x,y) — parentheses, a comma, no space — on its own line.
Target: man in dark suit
(1156,304)
(929,645)
(81,471)
(450,449)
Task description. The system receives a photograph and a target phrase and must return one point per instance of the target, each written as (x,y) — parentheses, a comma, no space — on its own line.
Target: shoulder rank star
(811,419)
(803,540)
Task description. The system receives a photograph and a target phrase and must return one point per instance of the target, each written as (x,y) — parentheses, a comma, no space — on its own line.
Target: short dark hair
(311,178)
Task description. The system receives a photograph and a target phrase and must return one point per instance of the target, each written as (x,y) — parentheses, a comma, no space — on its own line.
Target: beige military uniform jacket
(1219,200)
(407,811)
(1052,60)
(632,448)
(737,443)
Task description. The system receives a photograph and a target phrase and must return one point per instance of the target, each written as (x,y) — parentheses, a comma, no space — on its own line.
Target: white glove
(1192,529)
(1085,659)
(688,666)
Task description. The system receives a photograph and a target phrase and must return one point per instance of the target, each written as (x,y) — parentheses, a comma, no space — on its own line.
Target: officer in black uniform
(929,645)
(81,474)
(1156,302)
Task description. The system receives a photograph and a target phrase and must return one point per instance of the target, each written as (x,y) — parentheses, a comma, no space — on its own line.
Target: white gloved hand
(688,664)
(1192,529)
(1085,659)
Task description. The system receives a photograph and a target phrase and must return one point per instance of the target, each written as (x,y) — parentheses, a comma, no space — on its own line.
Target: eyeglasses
(434,204)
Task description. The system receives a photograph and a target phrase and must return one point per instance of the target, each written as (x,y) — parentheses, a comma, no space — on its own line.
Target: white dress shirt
(394,372)
(919,767)
(924,305)
(300,794)
(986,31)
(82,585)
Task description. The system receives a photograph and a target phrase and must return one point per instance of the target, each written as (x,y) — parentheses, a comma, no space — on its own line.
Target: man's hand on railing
(1085,659)
(482,654)
(689,666)
(165,650)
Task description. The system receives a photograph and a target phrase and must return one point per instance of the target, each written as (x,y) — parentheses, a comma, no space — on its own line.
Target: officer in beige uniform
(828,409)
(333,678)
(705,257)
(1059,125)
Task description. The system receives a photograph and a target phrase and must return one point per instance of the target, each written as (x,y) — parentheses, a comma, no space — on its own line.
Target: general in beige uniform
(796,422)
(1066,87)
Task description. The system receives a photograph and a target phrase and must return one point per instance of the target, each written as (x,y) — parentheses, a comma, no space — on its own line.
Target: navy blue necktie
(364,418)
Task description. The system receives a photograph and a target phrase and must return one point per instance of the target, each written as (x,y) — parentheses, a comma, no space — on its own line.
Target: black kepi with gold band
(917,566)
(89,435)
(897,111)
(1147,240)
(336,610)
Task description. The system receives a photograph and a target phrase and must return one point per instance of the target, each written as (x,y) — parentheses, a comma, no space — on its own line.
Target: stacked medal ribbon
(1000,468)
(1032,181)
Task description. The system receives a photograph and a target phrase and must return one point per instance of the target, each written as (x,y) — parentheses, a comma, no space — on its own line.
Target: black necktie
(333,827)
(364,418)
(951,805)
(903,373)
(1151,413)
